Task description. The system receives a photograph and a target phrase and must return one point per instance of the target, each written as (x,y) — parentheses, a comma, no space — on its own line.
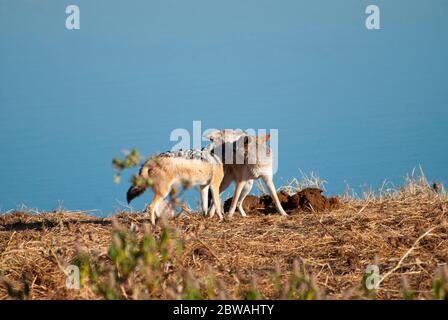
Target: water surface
(353,105)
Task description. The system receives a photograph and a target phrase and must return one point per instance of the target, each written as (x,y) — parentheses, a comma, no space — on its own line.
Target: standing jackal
(163,171)
(250,159)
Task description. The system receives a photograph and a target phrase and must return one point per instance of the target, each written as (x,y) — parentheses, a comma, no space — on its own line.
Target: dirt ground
(406,236)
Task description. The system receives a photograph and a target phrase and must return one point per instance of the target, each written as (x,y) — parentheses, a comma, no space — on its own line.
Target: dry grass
(404,232)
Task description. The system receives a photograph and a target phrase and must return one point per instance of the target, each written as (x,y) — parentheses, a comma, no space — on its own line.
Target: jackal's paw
(242,212)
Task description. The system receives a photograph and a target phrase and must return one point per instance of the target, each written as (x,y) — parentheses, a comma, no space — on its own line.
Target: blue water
(355,106)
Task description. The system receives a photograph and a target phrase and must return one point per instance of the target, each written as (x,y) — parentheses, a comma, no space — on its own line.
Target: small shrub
(299,286)
(132,159)
(253,293)
(440,284)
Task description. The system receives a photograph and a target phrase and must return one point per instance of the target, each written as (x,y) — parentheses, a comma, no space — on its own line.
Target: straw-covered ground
(311,255)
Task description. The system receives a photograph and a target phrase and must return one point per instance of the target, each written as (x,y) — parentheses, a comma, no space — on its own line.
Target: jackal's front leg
(246,189)
(226,181)
(238,188)
(217,200)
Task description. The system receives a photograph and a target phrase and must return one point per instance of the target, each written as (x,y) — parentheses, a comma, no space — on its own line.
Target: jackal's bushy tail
(135,191)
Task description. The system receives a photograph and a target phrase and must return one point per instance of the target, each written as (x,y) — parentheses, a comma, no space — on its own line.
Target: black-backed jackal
(251,159)
(163,171)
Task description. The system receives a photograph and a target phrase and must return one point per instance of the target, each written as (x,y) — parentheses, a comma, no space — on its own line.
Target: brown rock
(311,199)
(437,187)
(306,199)
(335,203)
(250,203)
(267,202)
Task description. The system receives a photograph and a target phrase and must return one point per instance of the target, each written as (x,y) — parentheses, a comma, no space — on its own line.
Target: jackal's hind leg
(160,193)
(270,184)
(204,198)
(154,206)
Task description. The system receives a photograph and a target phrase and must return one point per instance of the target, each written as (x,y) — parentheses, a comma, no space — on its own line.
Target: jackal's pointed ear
(212,135)
(240,134)
(263,139)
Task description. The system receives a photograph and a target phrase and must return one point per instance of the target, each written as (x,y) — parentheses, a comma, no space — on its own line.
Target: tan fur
(245,173)
(164,172)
